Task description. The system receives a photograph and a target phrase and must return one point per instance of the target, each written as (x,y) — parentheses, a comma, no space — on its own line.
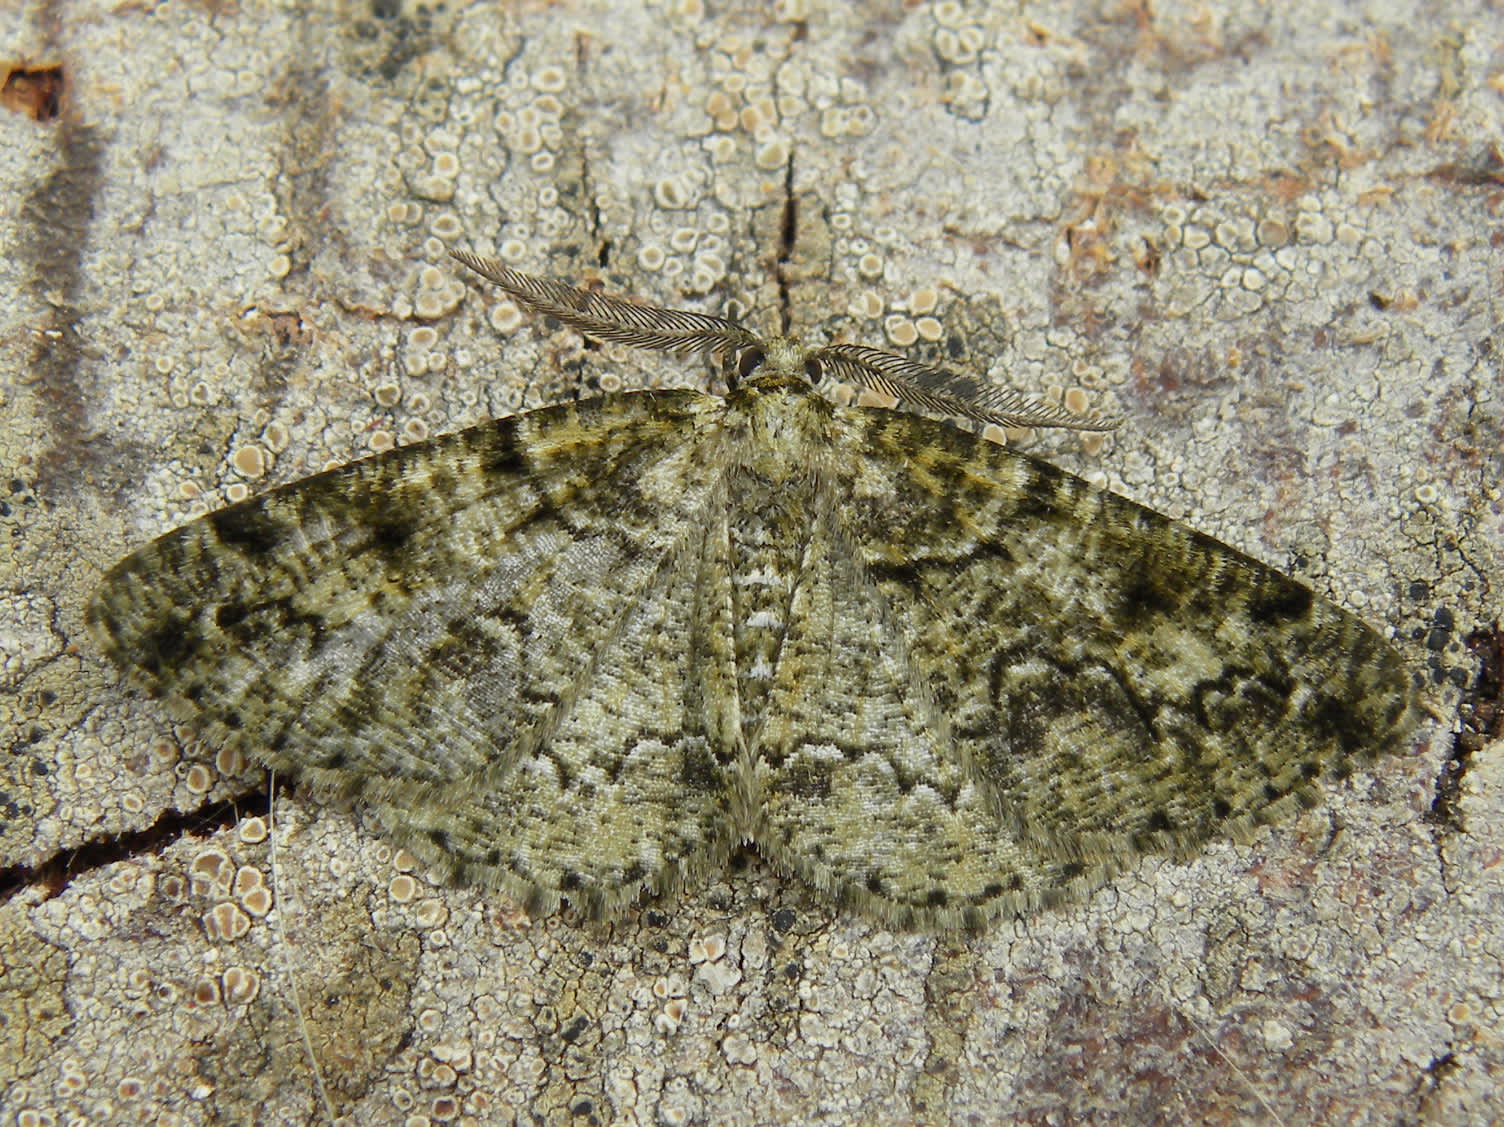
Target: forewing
(1032,682)
(484,635)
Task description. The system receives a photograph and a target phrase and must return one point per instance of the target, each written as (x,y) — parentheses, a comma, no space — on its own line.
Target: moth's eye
(748,362)
(813,369)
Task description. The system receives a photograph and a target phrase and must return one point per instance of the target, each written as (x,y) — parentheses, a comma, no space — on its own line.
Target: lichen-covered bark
(1258,235)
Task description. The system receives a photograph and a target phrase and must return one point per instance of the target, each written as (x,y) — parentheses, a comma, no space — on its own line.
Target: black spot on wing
(166,646)
(1338,722)
(1279,602)
(1158,822)
(227,616)
(248,529)
(391,531)
(1144,598)
(504,454)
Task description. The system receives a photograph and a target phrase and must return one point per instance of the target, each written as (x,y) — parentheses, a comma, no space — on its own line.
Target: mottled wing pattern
(1000,685)
(502,639)
(586,650)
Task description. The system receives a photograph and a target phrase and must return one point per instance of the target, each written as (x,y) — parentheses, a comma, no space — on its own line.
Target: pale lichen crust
(590,649)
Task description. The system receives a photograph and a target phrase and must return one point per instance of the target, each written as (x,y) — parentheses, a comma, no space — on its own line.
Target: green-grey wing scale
(1000,685)
(499,639)
(587,650)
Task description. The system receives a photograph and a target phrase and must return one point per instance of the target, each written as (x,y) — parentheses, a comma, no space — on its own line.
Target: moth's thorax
(778,428)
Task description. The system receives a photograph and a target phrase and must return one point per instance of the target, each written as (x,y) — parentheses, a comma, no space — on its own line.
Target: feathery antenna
(915,384)
(611,318)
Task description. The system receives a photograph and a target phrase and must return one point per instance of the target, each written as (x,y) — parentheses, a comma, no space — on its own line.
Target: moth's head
(777,359)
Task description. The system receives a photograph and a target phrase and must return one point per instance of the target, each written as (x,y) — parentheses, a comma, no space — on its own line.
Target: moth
(589,650)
